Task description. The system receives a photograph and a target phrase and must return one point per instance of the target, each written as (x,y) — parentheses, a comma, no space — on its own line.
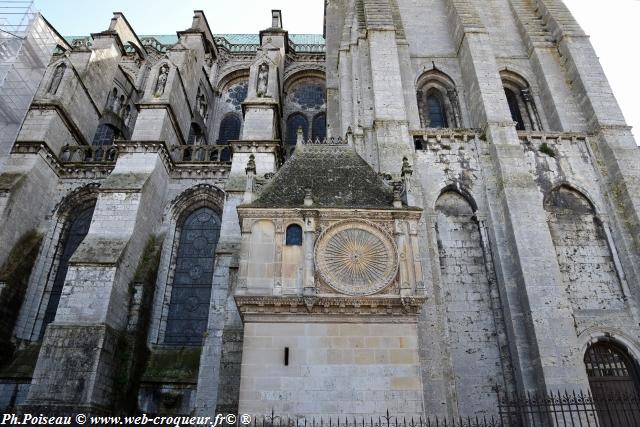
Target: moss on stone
(22,363)
(9,180)
(546,149)
(177,365)
(15,274)
(132,352)
(148,265)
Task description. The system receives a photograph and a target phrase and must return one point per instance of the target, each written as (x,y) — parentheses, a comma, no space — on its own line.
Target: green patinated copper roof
(337,176)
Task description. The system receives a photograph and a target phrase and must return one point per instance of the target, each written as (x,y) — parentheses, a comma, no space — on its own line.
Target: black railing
(616,409)
(568,409)
(201,153)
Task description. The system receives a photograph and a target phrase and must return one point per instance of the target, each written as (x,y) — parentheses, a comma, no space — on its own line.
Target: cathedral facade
(435,203)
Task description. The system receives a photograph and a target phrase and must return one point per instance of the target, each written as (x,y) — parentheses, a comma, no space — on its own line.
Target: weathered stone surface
(516,233)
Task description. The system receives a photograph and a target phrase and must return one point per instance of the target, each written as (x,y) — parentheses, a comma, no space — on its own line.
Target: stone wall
(586,264)
(481,366)
(334,369)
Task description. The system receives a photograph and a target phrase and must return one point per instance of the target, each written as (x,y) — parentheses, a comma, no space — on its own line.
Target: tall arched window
(435,110)
(514,107)
(195,135)
(57,78)
(294,122)
(319,128)
(105,135)
(77,229)
(191,292)
(438,103)
(520,99)
(229,129)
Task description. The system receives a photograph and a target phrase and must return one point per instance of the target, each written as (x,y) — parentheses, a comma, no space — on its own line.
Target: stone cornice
(63,170)
(406,213)
(256,146)
(176,170)
(329,305)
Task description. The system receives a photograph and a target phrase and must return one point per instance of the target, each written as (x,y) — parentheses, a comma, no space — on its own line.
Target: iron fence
(559,409)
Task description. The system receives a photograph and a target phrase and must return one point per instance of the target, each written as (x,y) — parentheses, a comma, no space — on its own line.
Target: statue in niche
(57,78)
(263,80)
(202,105)
(162,80)
(127,115)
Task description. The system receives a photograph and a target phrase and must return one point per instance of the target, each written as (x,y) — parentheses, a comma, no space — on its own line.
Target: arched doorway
(610,369)
(613,379)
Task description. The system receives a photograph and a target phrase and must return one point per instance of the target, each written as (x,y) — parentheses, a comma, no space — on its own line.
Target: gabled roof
(337,176)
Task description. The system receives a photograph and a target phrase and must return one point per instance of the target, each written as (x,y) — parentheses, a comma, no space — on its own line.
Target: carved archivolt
(356,258)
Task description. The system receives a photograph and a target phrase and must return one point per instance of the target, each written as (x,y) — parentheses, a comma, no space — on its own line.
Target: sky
(613,26)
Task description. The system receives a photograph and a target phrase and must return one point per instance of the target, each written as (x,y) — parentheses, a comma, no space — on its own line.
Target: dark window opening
(319,127)
(229,129)
(105,135)
(516,115)
(435,108)
(195,135)
(294,235)
(295,122)
(191,291)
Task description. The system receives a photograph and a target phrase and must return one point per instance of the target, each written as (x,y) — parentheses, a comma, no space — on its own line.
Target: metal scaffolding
(27,43)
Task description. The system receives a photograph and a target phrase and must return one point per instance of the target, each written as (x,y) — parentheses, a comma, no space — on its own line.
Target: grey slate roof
(338,178)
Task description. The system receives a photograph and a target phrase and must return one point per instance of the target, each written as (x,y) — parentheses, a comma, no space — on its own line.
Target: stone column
(390,126)
(308,282)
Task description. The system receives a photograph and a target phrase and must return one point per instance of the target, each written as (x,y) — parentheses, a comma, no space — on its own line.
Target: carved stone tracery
(356,258)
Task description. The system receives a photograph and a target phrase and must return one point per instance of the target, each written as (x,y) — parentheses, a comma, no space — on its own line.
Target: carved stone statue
(263,80)
(127,115)
(162,80)
(202,106)
(57,78)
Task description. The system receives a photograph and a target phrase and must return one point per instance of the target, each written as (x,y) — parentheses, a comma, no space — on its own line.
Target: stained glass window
(105,135)
(237,94)
(191,292)
(319,126)
(309,96)
(76,231)
(294,122)
(516,115)
(229,129)
(294,235)
(435,108)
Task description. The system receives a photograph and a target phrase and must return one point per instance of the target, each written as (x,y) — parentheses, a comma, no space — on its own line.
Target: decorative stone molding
(368,306)
(356,258)
(63,170)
